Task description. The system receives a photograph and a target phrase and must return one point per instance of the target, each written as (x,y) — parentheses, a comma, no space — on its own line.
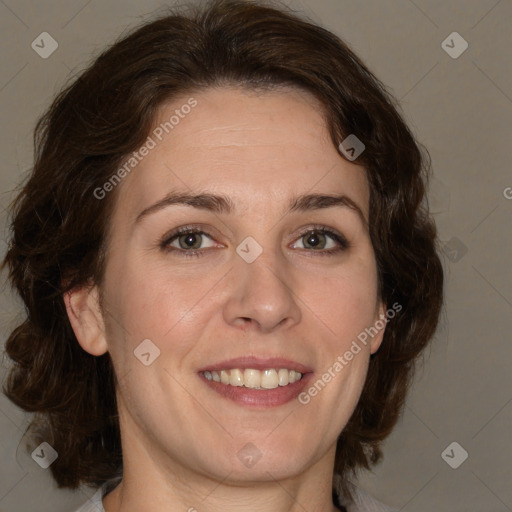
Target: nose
(262,295)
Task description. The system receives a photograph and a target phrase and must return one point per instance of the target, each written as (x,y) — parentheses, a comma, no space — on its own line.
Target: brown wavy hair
(58,226)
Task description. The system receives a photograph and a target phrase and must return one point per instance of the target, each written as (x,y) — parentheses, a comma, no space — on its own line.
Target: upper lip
(257,363)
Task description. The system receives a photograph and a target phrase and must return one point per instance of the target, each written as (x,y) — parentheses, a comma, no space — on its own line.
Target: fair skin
(181,439)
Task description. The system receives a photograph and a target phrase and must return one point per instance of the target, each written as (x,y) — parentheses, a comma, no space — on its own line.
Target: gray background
(461,109)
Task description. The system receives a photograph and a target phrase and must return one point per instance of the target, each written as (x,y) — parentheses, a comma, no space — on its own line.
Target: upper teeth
(255,379)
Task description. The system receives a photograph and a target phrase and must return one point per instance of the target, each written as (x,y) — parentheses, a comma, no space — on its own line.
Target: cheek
(158,305)
(158,302)
(343,302)
(171,303)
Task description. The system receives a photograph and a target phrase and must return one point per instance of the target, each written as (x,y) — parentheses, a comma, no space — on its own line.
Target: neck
(158,480)
(129,496)
(150,483)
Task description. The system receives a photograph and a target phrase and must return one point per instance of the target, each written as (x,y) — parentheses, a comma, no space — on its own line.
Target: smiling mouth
(251,378)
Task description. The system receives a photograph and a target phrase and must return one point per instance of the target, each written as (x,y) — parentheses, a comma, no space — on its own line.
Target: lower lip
(259,397)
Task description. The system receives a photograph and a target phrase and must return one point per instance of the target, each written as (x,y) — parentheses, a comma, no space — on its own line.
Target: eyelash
(344,244)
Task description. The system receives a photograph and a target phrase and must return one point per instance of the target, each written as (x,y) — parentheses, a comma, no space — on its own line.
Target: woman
(228,267)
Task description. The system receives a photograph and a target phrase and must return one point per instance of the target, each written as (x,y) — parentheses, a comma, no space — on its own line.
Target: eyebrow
(223,204)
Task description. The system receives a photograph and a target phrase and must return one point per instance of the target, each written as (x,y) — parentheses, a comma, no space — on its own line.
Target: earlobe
(84,313)
(380,324)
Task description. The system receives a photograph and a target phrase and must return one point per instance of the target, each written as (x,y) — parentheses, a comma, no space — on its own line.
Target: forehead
(256,147)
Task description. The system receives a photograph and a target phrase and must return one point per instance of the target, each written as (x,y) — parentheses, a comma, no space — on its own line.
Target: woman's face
(252,287)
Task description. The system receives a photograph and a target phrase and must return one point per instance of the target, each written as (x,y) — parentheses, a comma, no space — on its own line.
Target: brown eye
(187,241)
(323,241)
(315,239)
(190,241)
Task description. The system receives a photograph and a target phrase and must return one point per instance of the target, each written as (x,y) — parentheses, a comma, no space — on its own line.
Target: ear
(379,323)
(84,313)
